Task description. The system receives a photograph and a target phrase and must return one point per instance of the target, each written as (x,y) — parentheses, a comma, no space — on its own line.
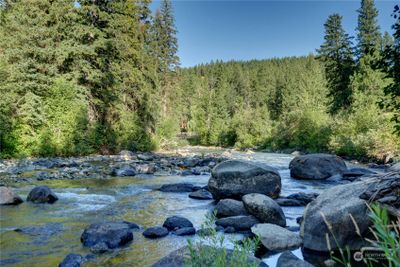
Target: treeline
(79,77)
(344,100)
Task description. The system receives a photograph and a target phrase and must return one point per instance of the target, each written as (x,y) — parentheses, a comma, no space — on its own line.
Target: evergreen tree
(164,49)
(336,54)
(368,34)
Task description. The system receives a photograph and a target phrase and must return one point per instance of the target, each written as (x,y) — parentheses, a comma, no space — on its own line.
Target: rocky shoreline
(247,196)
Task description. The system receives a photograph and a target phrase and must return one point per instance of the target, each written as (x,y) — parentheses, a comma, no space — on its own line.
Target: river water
(53,231)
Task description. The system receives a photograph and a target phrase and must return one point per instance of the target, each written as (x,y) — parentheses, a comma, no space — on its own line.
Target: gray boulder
(337,206)
(72,260)
(264,208)
(155,232)
(180,257)
(316,166)
(230,207)
(276,238)
(42,194)
(177,222)
(288,259)
(123,171)
(8,197)
(235,178)
(107,235)
(238,222)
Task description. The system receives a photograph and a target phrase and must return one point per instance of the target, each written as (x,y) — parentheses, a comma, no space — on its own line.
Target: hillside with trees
(100,76)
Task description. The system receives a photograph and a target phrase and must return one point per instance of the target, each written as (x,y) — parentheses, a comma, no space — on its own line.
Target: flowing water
(53,231)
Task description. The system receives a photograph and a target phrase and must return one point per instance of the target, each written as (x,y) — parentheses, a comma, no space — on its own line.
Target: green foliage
(210,249)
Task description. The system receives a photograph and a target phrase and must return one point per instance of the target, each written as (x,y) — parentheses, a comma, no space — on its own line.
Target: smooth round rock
(176,222)
(155,232)
(264,208)
(42,194)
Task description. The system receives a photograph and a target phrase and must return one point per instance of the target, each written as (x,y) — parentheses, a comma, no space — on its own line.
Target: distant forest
(81,77)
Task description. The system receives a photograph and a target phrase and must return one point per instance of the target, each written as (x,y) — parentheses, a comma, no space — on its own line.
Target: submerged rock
(185,231)
(264,209)
(177,188)
(235,178)
(155,232)
(230,207)
(288,259)
(176,222)
(72,260)
(107,235)
(8,197)
(238,222)
(180,257)
(276,238)
(42,194)
(201,194)
(316,166)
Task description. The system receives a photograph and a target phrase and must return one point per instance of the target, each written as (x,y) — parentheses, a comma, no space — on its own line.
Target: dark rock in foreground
(177,188)
(176,222)
(8,197)
(201,194)
(235,178)
(180,257)
(107,235)
(238,222)
(316,166)
(264,209)
(42,194)
(288,259)
(72,260)
(230,207)
(155,232)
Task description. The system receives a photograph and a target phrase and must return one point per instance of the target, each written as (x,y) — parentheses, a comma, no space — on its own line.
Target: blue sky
(242,30)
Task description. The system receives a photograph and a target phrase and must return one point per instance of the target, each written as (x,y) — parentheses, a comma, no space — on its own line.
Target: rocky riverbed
(133,209)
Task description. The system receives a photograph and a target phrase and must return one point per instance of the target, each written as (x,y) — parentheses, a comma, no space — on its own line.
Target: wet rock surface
(155,232)
(316,166)
(42,194)
(235,178)
(107,235)
(177,222)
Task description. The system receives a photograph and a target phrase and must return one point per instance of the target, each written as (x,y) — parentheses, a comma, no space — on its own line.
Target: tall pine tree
(368,31)
(336,54)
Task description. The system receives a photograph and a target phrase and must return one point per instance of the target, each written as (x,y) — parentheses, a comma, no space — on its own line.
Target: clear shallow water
(82,202)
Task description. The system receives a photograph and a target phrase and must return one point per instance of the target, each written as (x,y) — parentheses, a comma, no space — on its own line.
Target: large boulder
(316,166)
(107,235)
(235,178)
(177,222)
(288,259)
(276,238)
(332,213)
(230,207)
(264,208)
(239,223)
(8,197)
(42,194)
(180,258)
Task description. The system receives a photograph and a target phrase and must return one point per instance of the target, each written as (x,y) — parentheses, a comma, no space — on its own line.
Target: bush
(210,251)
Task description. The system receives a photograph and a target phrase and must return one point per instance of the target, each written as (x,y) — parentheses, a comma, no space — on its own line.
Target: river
(53,231)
